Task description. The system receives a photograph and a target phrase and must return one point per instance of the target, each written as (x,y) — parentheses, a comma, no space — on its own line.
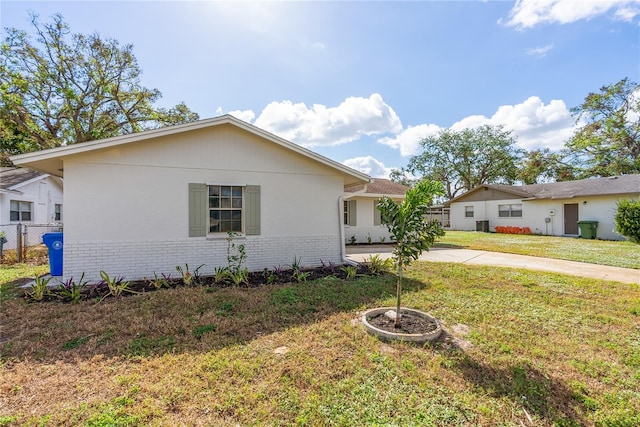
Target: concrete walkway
(469,256)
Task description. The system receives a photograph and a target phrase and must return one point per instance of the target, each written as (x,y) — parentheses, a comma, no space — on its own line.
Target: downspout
(343,243)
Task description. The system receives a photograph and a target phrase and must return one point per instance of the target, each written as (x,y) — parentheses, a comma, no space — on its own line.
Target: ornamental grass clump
(408,226)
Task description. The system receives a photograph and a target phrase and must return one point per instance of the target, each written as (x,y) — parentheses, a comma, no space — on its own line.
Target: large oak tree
(70,88)
(462,160)
(608,142)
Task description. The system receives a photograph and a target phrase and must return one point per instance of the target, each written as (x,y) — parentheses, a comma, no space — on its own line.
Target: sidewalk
(469,256)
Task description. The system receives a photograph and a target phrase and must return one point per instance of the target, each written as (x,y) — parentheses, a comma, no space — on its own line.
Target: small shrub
(221,275)
(369,239)
(71,290)
(189,278)
(159,282)
(39,289)
(239,276)
(353,240)
(350,271)
(300,276)
(295,265)
(628,219)
(378,265)
(117,285)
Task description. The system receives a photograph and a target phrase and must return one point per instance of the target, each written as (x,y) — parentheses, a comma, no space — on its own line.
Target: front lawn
(604,252)
(524,348)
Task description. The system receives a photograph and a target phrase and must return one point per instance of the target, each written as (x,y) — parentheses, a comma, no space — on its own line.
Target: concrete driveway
(469,256)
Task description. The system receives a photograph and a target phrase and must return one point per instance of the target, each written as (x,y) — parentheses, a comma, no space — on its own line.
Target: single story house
(147,202)
(362,221)
(549,209)
(30,198)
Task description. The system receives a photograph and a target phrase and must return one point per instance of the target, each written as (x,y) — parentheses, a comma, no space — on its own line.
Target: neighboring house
(147,202)
(362,221)
(28,197)
(549,209)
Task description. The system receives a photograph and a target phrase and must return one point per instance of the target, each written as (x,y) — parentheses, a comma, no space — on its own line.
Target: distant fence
(20,237)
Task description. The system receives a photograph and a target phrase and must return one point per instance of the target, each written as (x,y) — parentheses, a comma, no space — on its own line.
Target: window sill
(225,236)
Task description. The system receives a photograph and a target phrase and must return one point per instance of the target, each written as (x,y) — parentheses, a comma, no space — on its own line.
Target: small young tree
(628,219)
(410,228)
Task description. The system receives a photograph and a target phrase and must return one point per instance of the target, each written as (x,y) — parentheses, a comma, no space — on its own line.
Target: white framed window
(510,211)
(20,211)
(468,211)
(226,208)
(57,212)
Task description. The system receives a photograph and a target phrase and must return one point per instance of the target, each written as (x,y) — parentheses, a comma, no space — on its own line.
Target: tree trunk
(398,293)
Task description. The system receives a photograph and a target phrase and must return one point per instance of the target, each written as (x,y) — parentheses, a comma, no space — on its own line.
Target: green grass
(604,252)
(556,349)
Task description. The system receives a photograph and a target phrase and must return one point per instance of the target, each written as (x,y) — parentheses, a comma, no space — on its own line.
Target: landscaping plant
(628,219)
(408,226)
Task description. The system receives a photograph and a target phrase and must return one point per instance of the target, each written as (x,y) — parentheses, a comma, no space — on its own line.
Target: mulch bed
(409,324)
(100,289)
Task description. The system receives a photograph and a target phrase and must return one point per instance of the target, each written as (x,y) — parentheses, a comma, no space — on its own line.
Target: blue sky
(363,82)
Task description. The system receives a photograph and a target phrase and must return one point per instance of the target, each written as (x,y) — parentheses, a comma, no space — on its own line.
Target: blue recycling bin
(53,241)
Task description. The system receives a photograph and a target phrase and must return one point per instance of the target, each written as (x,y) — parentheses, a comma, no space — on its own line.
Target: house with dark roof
(550,209)
(362,221)
(28,197)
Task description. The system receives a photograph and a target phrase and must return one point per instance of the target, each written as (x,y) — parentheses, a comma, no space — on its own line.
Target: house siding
(365,226)
(534,212)
(127,207)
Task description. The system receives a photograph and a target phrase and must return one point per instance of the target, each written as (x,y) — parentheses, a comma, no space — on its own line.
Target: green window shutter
(197,210)
(352,212)
(252,210)
(377,215)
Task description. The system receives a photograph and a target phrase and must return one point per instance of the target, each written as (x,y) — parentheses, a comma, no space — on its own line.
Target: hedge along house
(145,203)
(549,209)
(362,221)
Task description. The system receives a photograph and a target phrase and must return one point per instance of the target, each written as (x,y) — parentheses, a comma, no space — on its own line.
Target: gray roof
(624,184)
(11,176)
(379,186)
(612,185)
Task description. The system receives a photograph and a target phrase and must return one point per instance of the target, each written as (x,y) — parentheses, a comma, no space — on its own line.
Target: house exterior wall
(535,212)
(365,228)
(127,207)
(43,194)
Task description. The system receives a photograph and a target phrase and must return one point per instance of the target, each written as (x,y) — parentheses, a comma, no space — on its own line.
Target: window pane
(225,226)
(14,216)
(236,215)
(225,191)
(225,215)
(225,202)
(214,214)
(237,192)
(26,216)
(236,226)
(236,203)
(214,190)
(25,206)
(14,205)
(214,202)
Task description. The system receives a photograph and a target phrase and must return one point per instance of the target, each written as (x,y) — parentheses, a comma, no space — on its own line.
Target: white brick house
(144,203)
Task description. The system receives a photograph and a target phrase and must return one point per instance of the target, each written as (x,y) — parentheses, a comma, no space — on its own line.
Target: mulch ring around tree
(410,324)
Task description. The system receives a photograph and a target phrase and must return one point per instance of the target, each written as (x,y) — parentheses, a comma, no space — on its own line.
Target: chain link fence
(23,242)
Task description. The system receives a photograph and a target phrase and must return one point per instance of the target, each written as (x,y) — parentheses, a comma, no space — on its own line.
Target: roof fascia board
(29,181)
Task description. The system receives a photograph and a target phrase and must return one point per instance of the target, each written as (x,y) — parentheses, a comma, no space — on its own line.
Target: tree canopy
(71,88)
(462,160)
(608,143)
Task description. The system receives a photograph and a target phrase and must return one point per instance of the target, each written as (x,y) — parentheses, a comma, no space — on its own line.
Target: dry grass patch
(543,350)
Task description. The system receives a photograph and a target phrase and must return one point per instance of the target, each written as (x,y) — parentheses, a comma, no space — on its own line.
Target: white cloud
(321,125)
(540,52)
(408,141)
(369,165)
(535,124)
(529,13)
(246,115)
